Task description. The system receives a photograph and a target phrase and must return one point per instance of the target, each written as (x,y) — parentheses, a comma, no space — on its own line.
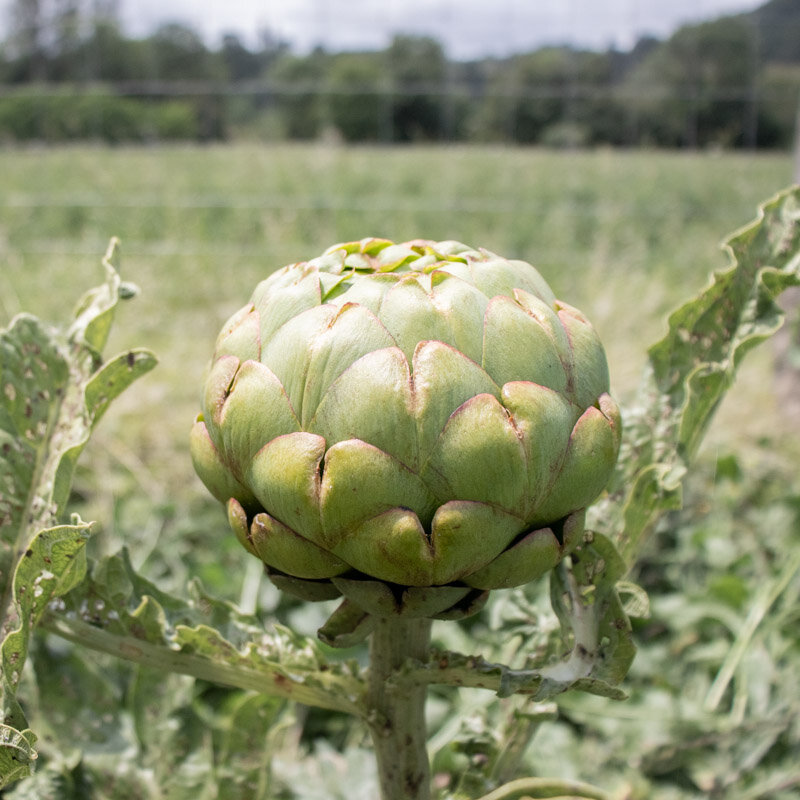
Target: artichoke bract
(408,425)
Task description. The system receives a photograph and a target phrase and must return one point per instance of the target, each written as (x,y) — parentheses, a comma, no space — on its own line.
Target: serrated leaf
(77,703)
(634,599)
(16,754)
(692,368)
(117,611)
(53,390)
(587,603)
(94,314)
(34,375)
(52,565)
(594,627)
(457,669)
(114,377)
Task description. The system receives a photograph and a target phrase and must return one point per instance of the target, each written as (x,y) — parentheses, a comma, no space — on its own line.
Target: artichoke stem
(396,715)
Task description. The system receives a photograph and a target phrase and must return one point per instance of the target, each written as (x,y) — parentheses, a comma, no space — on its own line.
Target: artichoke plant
(408,425)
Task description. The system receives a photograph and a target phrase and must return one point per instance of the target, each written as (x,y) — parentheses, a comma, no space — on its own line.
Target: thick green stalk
(396,715)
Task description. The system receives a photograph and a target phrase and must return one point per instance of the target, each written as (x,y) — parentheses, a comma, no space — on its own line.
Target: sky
(467,28)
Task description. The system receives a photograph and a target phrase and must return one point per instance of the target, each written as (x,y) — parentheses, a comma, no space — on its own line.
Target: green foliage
(300,100)
(692,89)
(113,609)
(585,642)
(69,115)
(180,54)
(357,107)
(118,612)
(530,96)
(713,705)
(708,85)
(55,389)
(693,366)
(416,70)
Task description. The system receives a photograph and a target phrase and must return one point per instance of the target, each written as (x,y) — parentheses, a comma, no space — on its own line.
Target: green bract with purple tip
(409,425)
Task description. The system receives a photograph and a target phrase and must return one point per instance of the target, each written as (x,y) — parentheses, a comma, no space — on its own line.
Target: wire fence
(49,226)
(72,73)
(572,115)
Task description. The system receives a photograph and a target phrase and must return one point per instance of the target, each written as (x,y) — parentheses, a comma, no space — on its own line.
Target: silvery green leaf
(54,387)
(117,611)
(691,369)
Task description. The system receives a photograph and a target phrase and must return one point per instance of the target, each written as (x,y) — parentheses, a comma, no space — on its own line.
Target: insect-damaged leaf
(54,387)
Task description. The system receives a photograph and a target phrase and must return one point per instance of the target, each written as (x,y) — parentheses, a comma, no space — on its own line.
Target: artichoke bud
(407,425)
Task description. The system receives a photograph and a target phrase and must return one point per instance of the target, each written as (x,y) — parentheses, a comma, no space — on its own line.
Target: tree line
(68,71)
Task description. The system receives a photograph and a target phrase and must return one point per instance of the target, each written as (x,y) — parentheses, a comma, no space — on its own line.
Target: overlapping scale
(278,301)
(352,332)
(285,477)
(240,336)
(411,317)
(464,306)
(212,470)
(516,347)
(255,411)
(443,379)
(590,369)
(460,541)
(479,434)
(392,547)
(360,482)
(411,425)
(496,276)
(543,419)
(590,456)
(288,354)
(280,547)
(372,401)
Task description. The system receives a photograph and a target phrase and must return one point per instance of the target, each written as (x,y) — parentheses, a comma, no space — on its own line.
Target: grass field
(622,235)
(625,236)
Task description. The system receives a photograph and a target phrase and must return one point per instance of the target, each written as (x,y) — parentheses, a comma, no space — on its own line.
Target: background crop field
(623,235)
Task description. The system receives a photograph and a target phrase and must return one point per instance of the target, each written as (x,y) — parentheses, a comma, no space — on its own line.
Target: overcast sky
(467,28)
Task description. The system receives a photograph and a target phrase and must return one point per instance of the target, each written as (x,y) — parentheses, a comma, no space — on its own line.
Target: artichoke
(407,425)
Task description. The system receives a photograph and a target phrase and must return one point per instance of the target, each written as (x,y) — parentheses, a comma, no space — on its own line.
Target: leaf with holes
(54,387)
(691,369)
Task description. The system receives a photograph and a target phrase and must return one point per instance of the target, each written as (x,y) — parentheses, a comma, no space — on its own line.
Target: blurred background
(709,73)
(612,144)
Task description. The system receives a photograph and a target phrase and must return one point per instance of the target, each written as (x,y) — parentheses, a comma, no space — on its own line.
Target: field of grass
(625,236)
(622,235)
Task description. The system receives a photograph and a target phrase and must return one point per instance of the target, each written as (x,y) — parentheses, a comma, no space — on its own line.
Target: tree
(27,39)
(356,85)
(417,70)
(241,64)
(53,39)
(180,54)
(527,94)
(698,88)
(299,86)
(111,56)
